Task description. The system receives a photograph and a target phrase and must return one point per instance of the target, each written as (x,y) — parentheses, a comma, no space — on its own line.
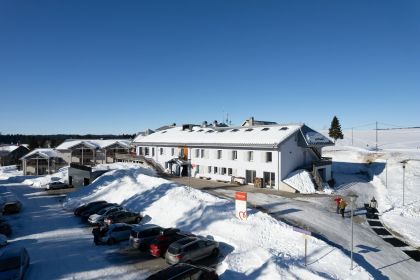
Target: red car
(166,236)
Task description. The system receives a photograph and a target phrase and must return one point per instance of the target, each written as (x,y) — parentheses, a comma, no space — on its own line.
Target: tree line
(52,141)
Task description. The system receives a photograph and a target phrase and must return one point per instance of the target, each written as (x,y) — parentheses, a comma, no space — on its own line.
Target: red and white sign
(240,205)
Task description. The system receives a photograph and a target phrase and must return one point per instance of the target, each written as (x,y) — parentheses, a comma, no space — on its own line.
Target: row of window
(215,170)
(202,153)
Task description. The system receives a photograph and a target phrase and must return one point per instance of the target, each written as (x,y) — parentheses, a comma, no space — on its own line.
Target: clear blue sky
(123,66)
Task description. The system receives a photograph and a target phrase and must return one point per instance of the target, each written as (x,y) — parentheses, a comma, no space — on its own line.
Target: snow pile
(43,181)
(260,248)
(9,171)
(300,180)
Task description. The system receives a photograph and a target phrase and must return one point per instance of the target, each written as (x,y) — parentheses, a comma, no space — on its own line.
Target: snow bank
(260,248)
(301,181)
(42,181)
(9,171)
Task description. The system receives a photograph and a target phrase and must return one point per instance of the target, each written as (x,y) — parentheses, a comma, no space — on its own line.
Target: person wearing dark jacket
(96,231)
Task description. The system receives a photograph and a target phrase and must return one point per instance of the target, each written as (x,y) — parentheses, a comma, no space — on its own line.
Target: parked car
(84,207)
(115,233)
(99,217)
(5,229)
(95,209)
(160,243)
(183,271)
(142,235)
(12,207)
(123,217)
(14,262)
(3,240)
(191,249)
(57,185)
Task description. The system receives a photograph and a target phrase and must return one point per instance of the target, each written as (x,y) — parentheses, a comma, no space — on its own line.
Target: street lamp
(404,162)
(353,198)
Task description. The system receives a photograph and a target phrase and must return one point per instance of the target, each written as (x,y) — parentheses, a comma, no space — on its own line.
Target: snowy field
(385,169)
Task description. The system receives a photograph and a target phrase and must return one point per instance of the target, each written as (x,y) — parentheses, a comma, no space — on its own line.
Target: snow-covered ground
(385,169)
(260,248)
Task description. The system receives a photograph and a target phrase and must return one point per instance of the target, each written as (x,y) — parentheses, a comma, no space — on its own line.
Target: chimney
(204,124)
(215,123)
(251,121)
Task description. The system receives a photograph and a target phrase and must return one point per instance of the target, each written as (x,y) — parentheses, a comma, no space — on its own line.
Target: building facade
(258,154)
(11,154)
(42,162)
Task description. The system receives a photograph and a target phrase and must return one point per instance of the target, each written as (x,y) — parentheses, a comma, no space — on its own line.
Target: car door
(192,252)
(126,232)
(202,250)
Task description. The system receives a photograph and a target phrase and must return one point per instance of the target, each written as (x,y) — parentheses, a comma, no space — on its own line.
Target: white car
(115,233)
(3,240)
(56,185)
(99,217)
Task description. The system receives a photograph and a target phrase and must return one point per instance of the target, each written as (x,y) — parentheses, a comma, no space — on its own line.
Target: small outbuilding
(42,162)
(11,154)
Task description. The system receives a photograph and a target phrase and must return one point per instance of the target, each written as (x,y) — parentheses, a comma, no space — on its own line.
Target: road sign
(302,231)
(240,205)
(306,235)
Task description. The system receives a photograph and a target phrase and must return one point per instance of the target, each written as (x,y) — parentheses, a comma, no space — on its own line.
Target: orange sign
(241,196)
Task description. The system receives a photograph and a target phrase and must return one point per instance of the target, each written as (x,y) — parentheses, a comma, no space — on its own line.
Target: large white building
(254,154)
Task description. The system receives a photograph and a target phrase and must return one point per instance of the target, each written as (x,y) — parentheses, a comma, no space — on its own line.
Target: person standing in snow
(96,231)
(337,202)
(342,206)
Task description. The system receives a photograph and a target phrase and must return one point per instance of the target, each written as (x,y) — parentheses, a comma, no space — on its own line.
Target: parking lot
(61,246)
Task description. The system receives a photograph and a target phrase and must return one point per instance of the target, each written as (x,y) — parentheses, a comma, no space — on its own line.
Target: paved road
(61,247)
(380,258)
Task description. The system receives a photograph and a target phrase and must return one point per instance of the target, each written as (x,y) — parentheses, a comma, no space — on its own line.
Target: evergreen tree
(335,130)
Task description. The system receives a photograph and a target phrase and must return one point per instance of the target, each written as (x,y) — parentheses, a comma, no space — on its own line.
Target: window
(269,179)
(197,153)
(250,155)
(268,157)
(161,151)
(153,152)
(234,155)
(202,153)
(265,129)
(215,170)
(234,130)
(219,154)
(230,171)
(249,129)
(172,151)
(209,169)
(197,168)
(223,171)
(140,150)
(146,151)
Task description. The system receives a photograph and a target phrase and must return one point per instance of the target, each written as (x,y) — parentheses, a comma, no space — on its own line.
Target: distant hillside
(401,138)
(45,141)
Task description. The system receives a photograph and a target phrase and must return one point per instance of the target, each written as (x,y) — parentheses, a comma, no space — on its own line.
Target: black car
(126,217)
(12,207)
(95,209)
(5,229)
(185,271)
(13,263)
(84,207)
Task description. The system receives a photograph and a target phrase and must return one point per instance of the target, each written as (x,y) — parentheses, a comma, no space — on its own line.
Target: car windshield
(10,263)
(102,211)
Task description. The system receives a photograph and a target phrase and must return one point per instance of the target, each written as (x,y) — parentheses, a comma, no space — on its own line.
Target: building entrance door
(250,176)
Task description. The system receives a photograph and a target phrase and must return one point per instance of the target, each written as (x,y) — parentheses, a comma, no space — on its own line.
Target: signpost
(240,205)
(306,235)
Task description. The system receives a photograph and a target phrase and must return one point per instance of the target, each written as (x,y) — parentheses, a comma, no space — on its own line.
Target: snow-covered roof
(93,143)
(269,135)
(8,148)
(43,152)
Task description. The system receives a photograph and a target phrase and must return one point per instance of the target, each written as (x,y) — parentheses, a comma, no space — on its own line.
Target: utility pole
(403,182)
(353,198)
(376,136)
(352,136)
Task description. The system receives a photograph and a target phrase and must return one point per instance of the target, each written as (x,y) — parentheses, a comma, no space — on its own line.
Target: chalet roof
(93,143)
(44,153)
(5,150)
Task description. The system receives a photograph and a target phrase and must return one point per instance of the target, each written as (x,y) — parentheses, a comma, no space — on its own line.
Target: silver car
(142,235)
(191,249)
(100,216)
(115,233)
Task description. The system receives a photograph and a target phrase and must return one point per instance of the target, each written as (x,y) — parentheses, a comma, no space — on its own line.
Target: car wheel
(111,241)
(138,219)
(215,252)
